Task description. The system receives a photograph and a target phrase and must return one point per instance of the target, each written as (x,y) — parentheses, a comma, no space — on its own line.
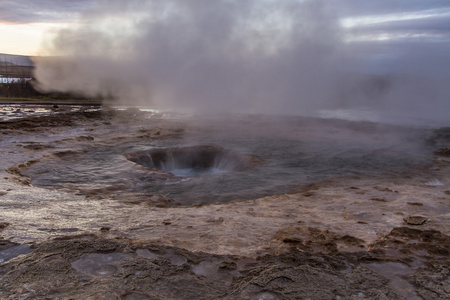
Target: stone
(442,151)
(415,220)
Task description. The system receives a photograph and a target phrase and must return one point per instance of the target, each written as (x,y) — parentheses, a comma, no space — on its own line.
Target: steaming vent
(195,160)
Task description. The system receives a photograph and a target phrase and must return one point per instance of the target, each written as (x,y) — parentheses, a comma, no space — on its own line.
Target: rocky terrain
(341,238)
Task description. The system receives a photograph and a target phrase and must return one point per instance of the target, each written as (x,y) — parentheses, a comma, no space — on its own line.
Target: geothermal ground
(366,233)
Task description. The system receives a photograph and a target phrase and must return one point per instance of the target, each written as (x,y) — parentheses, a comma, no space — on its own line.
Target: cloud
(431,24)
(30,11)
(358,8)
(423,24)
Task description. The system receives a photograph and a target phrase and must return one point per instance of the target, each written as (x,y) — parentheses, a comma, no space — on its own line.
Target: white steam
(279,56)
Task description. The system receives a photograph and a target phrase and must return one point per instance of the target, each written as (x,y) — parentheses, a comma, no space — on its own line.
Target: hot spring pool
(239,160)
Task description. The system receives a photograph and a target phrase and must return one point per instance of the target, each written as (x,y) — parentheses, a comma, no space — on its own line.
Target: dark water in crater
(295,153)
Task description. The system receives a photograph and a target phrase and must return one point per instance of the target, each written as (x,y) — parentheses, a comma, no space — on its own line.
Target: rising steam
(279,56)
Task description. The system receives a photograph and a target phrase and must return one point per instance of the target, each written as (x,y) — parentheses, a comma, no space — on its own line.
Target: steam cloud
(277,56)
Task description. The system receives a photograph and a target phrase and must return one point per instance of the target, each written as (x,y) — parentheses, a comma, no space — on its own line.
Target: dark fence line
(21,88)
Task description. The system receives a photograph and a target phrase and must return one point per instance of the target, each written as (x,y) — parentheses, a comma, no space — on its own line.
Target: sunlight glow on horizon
(26,39)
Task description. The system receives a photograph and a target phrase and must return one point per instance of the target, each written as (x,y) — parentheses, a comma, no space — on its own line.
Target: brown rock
(3,225)
(442,151)
(415,220)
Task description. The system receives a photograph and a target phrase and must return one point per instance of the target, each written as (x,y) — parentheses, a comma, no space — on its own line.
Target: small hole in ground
(195,160)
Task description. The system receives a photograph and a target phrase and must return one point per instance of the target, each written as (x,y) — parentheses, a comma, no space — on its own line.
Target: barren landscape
(383,236)
(196,149)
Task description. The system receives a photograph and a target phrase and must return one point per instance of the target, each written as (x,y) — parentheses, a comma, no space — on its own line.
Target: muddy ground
(337,239)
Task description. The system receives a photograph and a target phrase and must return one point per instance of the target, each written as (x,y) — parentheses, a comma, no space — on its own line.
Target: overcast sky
(23,23)
(29,11)
(45,11)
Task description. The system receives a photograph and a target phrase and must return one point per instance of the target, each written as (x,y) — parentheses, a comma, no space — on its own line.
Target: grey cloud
(28,11)
(422,30)
(439,23)
(358,8)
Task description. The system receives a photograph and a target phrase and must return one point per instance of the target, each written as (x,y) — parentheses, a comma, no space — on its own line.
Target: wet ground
(383,236)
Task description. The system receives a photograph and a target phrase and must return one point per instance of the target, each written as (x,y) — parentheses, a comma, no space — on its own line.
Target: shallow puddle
(394,272)
(206,268)
(14,251)
(95,264)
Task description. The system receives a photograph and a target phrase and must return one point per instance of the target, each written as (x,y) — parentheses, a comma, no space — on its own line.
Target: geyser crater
(194,160)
